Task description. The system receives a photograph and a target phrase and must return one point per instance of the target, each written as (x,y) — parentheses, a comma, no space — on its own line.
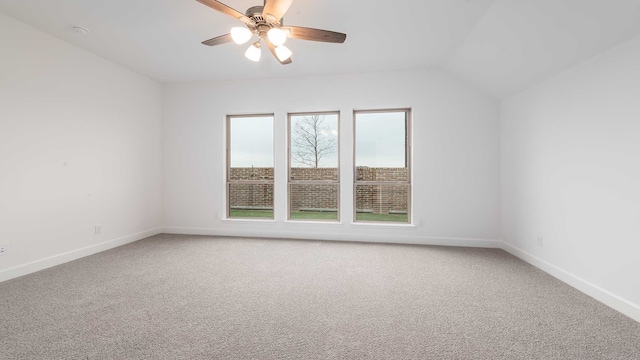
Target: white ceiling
(501,46)
(519,43)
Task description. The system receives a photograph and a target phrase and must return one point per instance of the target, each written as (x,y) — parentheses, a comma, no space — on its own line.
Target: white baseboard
(627,308)
(59,259)
(339,236)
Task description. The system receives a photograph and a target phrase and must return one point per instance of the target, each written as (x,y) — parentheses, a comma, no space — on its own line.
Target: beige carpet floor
(190,297)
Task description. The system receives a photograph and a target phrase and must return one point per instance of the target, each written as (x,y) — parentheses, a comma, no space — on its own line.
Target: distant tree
(311,141)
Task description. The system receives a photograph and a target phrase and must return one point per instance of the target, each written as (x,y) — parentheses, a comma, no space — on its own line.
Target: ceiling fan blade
(276,8)
(222,39)
(273,51)
(216,5)
(303,33)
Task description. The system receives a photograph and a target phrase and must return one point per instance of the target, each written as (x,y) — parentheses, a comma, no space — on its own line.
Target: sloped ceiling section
(519,43)
(501,46)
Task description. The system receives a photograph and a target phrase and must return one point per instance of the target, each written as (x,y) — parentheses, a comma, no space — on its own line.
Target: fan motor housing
(255,14)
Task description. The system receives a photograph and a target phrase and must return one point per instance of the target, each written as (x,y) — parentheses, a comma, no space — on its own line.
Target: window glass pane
(251,148)
(313,202)
(382,203)
(250,159)
(314,147)
(251,200)
(251,173)
(381,146)
(364,173)
(309,174)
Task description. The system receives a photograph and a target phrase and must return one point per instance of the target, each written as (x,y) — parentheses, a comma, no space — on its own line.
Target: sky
(251,141)
(328,132)
(380,140)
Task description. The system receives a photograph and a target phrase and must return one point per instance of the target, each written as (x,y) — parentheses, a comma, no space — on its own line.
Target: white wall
(455,152)
(79,145)
(571,174)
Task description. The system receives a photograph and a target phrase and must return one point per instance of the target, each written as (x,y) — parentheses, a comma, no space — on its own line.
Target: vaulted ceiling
(500,46)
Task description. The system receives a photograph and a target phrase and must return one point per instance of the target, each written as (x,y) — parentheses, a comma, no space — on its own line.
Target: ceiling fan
(266,22)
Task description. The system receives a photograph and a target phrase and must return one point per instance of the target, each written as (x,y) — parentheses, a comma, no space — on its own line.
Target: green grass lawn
(382,217)
(314,215)
(240,213)
(319,215)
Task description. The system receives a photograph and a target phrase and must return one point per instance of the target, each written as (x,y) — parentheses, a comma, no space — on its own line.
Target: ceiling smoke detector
(80,30)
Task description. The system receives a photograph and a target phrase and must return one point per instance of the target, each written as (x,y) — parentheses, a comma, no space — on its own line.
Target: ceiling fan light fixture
(265,22)
(276,36)
(283,53)
(253,52)
(240,35)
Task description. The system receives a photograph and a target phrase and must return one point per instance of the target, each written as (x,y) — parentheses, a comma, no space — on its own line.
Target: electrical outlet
(97,229)
(3,249)
(539,241)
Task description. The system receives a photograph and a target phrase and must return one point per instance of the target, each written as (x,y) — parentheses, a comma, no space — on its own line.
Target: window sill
(307,223)
(384,225)
(247,220)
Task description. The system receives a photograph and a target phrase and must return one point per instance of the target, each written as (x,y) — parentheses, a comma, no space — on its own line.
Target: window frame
(408,157)
(312,182)
(230,182)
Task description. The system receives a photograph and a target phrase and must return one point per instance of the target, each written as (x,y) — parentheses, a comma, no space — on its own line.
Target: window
(250,166)
(313,167)
(382,181)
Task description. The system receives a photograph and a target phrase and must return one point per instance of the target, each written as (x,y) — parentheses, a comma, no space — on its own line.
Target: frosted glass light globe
(240,35)
(253,52)
(283,53)
(276,36)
